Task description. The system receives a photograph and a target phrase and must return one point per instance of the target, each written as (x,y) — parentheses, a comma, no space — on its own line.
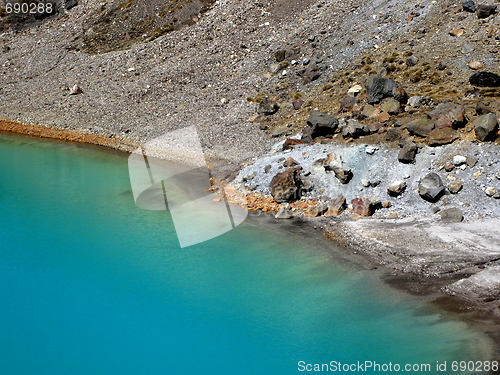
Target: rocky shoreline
(375,121)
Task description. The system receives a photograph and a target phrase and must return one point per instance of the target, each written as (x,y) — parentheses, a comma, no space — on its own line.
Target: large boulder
(431,187)
(322,124)
(378,88)
(485,79)
(447,115)
(486,127)
(421,127)
(286,186)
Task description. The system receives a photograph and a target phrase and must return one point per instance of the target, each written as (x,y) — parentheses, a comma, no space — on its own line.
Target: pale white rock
(459,160)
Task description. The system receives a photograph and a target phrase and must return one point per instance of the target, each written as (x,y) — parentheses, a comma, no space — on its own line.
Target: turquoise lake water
(90,284)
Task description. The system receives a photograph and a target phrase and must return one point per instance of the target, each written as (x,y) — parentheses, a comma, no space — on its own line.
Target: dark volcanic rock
(448,115)
(337,206)
(407,153)
(431,187)
(485,10)
(439,137)
(420,126)
(68,4)
(469,6)
(378,88)
(363,206)
(268,107)
(322,124)
(485,79)
(486,127)
(451,215)
(286,186)
(344,175)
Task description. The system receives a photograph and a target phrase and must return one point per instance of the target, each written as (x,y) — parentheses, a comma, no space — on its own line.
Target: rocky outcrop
(286,186)
(431,187)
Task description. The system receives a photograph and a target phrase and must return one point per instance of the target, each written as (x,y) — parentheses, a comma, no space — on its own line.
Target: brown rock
(290,143)
(384,117)
(337,206)
(457,32)
(316,210)
(297,104)
(448,115)
(454,187)
(363,206)
(421,126)
(439,137)
(477,65)
(286,186)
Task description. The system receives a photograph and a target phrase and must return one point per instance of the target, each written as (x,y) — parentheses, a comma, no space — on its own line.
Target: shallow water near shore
(91,284)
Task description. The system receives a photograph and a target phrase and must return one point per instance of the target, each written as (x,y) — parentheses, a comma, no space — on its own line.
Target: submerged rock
(283,213)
